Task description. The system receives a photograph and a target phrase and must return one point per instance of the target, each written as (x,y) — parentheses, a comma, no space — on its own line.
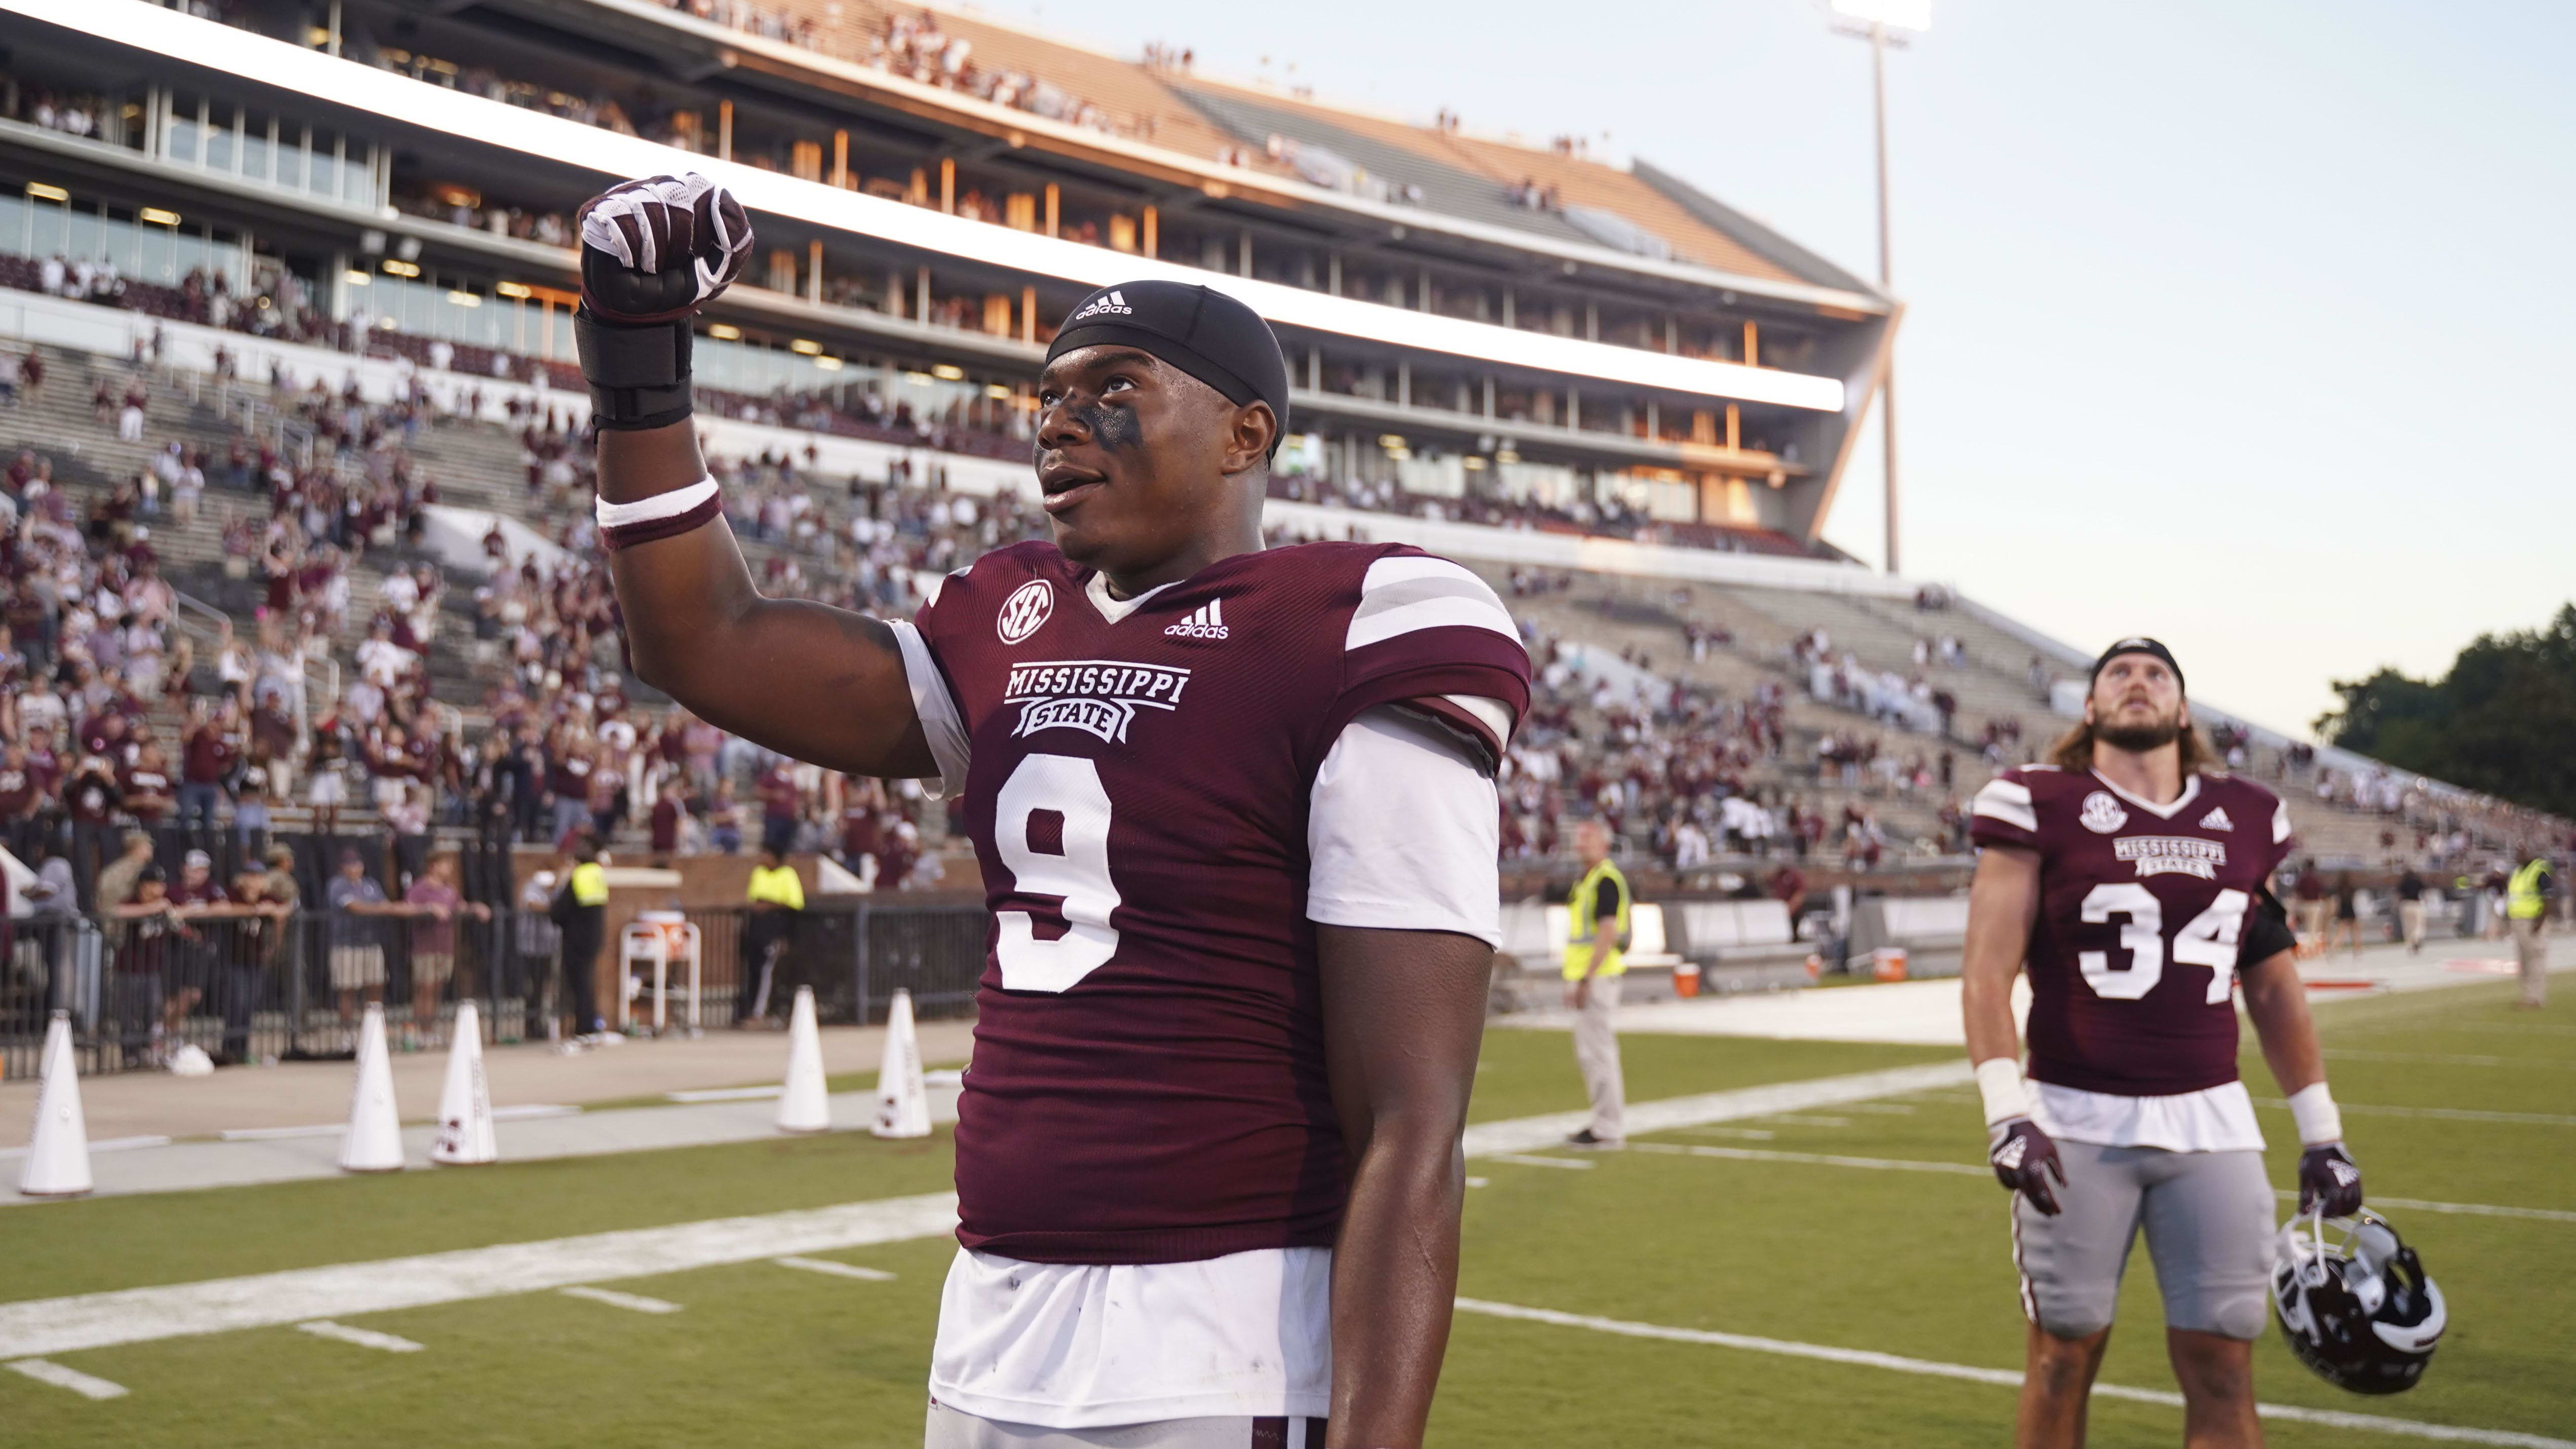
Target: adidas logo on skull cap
(1202,331)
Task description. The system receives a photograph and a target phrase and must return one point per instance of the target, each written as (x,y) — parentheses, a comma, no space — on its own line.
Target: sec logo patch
(1026,608)
(2102,814)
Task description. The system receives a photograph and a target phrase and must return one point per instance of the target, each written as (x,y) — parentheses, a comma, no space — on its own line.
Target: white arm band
(655,508)
(1999,1082)
(2313,1108)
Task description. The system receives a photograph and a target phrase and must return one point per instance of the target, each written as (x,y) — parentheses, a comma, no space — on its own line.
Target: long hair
(2074,751)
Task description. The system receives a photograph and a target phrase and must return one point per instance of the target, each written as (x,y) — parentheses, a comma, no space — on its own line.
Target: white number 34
(2210,940)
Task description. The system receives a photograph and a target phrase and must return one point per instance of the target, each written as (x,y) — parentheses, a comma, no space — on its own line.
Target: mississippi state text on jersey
(2140,910)
(1148,1079)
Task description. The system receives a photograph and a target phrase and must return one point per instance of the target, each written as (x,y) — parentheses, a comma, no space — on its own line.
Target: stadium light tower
(1884,23)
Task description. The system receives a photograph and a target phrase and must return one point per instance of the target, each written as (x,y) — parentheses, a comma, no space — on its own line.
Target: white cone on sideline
(58,1155)
(903,1104)
(374,1139)
(803,1106)
(465,1136)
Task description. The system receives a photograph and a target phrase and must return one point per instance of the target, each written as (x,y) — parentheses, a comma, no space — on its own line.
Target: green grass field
(1908,1263)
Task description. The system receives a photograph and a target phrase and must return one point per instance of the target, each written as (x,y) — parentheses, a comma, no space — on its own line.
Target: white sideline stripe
(2447,1114)
(111,1144)
(721,1094)
(1786,1121)
(1527,1161)
(60,1377)
(636,1302)
(281,1134)
(2439,1059)
(532,1111)
(362,1337)
(837,1270)
(2000,1378)
(138,1315)
(1521,1134)
(1907,1164)
(1743,1134)
(1479,1181)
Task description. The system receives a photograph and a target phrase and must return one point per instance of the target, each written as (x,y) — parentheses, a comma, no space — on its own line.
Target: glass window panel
(219,148)
(325,180)
(13,225)
(290,165)
(85,236)
(183,141)
(255,157)
(357,180)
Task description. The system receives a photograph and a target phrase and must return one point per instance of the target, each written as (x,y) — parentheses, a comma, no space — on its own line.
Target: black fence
(288,986)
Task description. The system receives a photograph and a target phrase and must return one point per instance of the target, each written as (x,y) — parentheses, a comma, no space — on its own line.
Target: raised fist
(660,248)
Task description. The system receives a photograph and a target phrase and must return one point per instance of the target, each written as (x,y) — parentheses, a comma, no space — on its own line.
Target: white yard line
(837,1270)
(1522,1134)
(138,1315)
(721,1094)
(1740,1134)
(2440,1059)
(60,1377)
(1969,1169)
(1524,1160)
(2000,1378)
(632,1302)
(362,1337)
(2446,1114)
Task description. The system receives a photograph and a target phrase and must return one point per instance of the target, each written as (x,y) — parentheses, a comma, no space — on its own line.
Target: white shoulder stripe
(2009,802)
(2281,822)
(940,722)
(1401,595)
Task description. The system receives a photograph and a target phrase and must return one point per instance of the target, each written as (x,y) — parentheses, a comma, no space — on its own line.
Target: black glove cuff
(638,372)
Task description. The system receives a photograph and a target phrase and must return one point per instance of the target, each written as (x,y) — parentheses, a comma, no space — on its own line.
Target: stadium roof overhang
(362,89)
(698,48)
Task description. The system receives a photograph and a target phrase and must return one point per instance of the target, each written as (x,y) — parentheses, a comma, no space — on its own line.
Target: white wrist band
(2313,1108)
(1999,1082)
(655,508)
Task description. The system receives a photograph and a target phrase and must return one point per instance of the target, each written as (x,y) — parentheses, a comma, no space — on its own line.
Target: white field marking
(111,1144)
(139,1315)
(280,1134)
(1522,1134)
(1816,1159)
(634,1302)
(2448,1114)
(1741,1134)
(2439,1059)
(60,1377)
(1883,1109)
(721,1094)
(2000,1378)
(362,1337)
(1479,1182)
(837,1270)
(1809,1121)
(1525,1160)
(530,1112)
(1907,1164)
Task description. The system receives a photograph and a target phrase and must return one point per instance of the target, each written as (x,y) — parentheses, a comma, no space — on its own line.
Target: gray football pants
(2209,1225)
(956,1429)
(1596,1053)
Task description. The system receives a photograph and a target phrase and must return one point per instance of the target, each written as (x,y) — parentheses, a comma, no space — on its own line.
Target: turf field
(2450,1098)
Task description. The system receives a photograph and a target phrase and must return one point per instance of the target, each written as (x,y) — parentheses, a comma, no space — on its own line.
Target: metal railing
(290,986)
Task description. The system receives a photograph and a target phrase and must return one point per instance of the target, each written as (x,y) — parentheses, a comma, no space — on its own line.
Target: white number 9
(1067,787)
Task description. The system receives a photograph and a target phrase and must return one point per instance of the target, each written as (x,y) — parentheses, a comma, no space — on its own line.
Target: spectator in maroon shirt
(779,801)
(208,752)
(148,791)
(668,808)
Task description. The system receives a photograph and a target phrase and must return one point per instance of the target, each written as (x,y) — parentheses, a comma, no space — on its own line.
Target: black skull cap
(1203,332)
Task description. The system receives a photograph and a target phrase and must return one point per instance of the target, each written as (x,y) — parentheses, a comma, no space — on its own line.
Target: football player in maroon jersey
(1236,821)
(2131,877)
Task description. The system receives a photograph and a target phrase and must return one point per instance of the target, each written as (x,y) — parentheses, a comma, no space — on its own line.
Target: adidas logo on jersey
(1113,303)
(1205,622)
(2217,820)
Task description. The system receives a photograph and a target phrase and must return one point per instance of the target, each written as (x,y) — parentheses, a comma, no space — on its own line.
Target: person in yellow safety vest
(777,897)
(2526,909)
(580,912)
(1596,933)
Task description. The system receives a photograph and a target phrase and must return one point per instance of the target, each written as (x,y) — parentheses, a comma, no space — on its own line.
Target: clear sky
(2250,326)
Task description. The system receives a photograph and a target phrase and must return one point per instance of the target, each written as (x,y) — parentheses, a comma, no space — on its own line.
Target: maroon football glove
(2329,1177)
(652,253)
(2024,1159)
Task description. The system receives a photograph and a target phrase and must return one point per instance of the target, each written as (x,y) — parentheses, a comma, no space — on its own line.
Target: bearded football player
(2130,876)
(1235,815)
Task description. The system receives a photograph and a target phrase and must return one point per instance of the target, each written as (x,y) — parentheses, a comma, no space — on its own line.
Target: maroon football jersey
(2141,906)
(1148,1080)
